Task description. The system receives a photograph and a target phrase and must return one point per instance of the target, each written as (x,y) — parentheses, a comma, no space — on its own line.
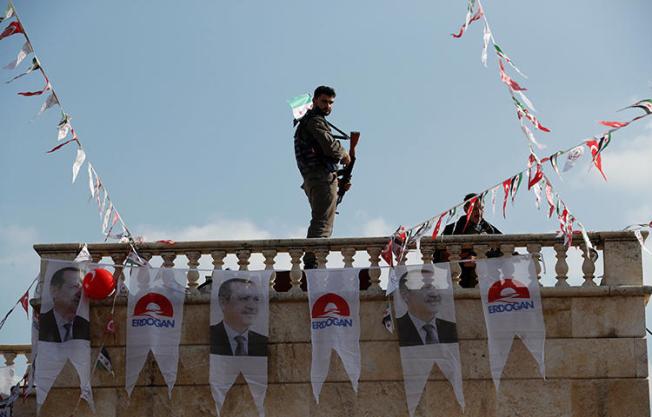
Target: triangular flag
(35,65)
(615,125)
(24,301)
(104,360)
(435,231)
(507,186)
(22,54)
(63,127)
(61,145)
(486,37)
(12,29)
(645,105)
(572,157)
(52,100)
(79,160)
(47,87)
(597,158)
(468,22)
(513,85)
(9,13)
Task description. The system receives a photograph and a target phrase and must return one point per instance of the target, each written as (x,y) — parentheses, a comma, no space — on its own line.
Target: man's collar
(231,333)
(418,323)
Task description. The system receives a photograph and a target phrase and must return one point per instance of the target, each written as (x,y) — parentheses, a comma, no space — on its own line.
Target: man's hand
(346,185)
(346,159)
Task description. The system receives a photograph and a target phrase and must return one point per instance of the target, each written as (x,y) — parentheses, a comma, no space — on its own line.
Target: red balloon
(98,284)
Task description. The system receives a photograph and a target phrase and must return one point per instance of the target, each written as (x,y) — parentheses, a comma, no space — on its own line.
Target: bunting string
(400,240)
(109,214)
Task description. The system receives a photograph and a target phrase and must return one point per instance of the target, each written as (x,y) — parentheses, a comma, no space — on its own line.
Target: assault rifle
(344,175)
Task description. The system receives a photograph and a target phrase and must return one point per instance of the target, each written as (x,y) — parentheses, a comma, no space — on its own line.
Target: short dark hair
(225,289)
(58,280)
(324,90)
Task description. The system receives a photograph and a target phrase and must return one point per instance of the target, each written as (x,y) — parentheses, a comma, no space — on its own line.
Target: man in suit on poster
(239,299)
(61,323)
(420,325)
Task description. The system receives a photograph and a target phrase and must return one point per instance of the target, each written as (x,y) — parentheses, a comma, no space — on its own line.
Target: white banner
(427,329)
(511,303)
(239,329)
(64,330)
(334,299)
(154,321)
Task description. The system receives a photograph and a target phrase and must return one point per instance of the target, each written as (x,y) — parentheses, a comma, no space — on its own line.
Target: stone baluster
(347,257)
(295,271)
(96,257)
(168,259)
(193,274)
(118,261)
(270,256)
(218,259)
(534,249)
(374,269)
(507,249)
(456,270)
(561,267)
(321,255)
(588,267)
(10,358)
(243,259)
(480,254)
(427,253)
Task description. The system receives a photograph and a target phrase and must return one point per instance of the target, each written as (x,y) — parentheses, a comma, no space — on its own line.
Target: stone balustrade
(618,255)
(594,313)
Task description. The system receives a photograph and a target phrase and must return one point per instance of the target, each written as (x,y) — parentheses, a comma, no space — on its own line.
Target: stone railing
(619,256)
(11,352)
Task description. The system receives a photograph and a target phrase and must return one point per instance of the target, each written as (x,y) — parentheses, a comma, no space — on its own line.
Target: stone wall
(596,365)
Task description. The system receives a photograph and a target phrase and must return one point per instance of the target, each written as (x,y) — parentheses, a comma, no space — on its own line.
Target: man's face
(241,309)
(324,103)
(422,303)
(66,298)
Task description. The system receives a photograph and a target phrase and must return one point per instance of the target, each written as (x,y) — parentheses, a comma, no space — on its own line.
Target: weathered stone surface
(610,317)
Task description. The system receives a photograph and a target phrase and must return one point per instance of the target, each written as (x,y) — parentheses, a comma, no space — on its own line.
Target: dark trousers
(322,196)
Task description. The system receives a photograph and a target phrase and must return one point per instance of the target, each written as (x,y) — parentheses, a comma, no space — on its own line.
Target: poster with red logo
(64,330)
(511,303)
(427,329)
(154,320)
(239,331)
(334,299)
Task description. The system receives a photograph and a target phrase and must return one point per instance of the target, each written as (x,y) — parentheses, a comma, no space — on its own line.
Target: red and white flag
(12,29)
(427,329)
(511,303)
(334,300)
(154,321)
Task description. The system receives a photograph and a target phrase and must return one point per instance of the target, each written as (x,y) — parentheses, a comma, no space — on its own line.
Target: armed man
(318,153)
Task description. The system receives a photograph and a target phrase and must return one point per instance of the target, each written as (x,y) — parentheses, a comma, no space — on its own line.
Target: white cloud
(376,227)
(214,229)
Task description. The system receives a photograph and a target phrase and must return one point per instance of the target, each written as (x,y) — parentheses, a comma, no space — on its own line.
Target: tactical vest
(310,157)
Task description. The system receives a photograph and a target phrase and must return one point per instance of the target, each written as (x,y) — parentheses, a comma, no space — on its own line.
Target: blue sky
(181,107)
